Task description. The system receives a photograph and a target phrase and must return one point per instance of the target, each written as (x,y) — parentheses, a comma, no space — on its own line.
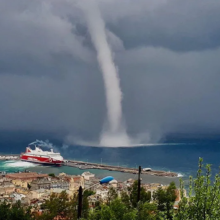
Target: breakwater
(87,165)
(9,157)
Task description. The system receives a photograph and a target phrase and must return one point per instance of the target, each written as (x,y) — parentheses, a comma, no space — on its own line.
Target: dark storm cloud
(167,53)
(179,90)
(174,24)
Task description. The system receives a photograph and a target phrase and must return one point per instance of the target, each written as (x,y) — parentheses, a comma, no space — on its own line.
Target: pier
(87,165)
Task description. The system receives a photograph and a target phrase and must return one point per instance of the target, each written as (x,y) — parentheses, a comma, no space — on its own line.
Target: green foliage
(165,199)
(112,194)
(51,174)
(114,211)
(59,205)
(29,186)
(125,199)
(126,207)
(85,203)
(144,196)
(204,196)
(118,208)
(14,212)
(107,213)
(148,211)
(88,193)
(131,215)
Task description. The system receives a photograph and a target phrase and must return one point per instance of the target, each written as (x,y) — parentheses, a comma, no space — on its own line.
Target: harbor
(88,165)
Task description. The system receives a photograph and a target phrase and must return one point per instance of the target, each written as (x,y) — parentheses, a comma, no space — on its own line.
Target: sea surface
(175,154)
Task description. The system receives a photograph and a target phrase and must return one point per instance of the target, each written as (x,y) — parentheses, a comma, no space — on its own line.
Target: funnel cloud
(114,132)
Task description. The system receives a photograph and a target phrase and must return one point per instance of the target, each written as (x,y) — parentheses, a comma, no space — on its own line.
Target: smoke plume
(44,144)
(114,132)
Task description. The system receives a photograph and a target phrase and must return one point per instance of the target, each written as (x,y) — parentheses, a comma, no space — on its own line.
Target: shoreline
(88,165)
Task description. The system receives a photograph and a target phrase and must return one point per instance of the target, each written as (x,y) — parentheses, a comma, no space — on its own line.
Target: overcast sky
(167,53)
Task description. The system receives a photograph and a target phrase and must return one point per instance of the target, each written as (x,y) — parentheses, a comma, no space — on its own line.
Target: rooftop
(25,175)
(88,174)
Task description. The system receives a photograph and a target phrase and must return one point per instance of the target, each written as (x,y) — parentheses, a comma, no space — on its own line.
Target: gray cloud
(166,51)
(178,25)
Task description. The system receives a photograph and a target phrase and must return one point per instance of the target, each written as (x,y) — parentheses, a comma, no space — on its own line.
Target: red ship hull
(41,159)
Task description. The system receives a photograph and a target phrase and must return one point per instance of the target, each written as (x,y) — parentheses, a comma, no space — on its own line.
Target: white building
(114,183)
(103,193)
(88,175)
(17,196)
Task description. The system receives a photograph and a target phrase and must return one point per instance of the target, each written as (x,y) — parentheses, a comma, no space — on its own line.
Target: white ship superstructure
(39,156)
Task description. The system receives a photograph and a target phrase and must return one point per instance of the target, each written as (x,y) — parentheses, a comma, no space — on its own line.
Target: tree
(118,208)
(107,213)
(29,186)
(59,206)
(144,196)
(170,199)
(125,199)
(14,212)
(148,211)
(17,212)
(94,214)
(131,215)
(165,199)
(85,203)
(51,174)
(112,194)
(204,196)
(4,211)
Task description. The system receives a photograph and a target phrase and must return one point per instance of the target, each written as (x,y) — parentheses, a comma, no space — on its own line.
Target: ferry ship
(43,157)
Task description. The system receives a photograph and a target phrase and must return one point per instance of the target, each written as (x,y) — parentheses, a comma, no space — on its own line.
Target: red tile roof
(25,175)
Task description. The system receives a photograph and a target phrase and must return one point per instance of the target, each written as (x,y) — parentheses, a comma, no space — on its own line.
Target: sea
(178,154)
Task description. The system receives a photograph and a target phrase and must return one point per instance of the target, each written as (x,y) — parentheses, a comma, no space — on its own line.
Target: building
(114,183)
(16,197)
(75,182)
(3,178)
(102,193)
(42,183)
(6,188)
(62,174)
(93,199)
(39,194)
(21,190)
(88,175)
(92,184)
(23,179)
(61,184)
(58,191)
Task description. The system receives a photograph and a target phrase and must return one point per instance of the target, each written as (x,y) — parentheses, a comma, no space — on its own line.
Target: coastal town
(33,189)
